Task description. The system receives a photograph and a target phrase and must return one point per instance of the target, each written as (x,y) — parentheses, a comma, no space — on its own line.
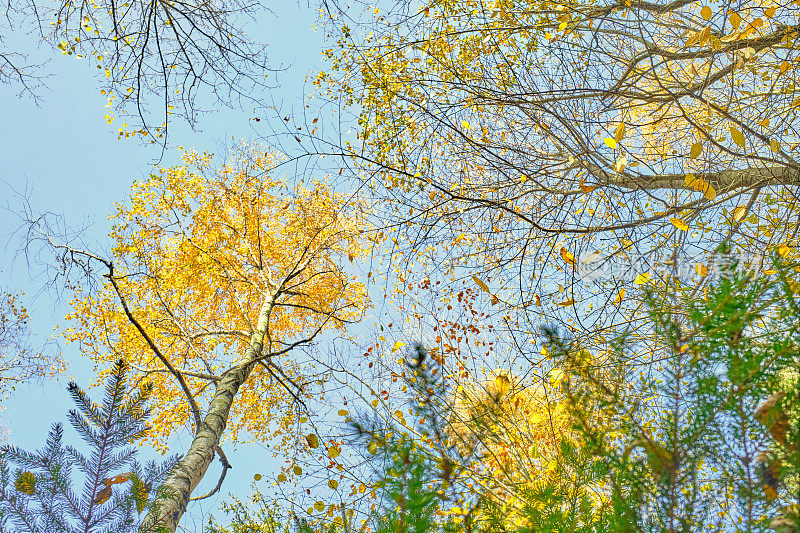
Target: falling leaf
(696,150)
(610,142)
(735,19)
(679,223)
(480,283)
(312,440)
(537,300)
(737,136)
(641,279)
(567,256)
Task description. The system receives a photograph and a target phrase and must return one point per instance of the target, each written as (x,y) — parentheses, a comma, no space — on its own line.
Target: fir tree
(37,494)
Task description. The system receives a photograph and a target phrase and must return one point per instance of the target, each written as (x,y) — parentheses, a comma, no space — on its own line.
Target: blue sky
(64,155)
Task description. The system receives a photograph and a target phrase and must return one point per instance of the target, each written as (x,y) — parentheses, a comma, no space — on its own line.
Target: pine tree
(37,493)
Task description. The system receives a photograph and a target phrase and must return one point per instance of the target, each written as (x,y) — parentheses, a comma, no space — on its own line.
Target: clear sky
(68,159)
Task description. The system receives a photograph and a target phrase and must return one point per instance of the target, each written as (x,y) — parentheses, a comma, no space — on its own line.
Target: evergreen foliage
(37,493)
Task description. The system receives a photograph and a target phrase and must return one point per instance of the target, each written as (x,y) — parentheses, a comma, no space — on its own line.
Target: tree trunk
(173,495)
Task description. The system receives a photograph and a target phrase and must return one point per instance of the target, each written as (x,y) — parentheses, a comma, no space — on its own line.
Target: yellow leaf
(372,447)
(523,178)
(257,477)
(735,19)
(610,142)
(333,484)
(696,150)
(641,279)
(567,257)
(465,125)
(784,250)
(690,179)
(737,136)
(620,133)
(333,452)
(480,283)
(770,272)
(297,470)
(739,213)
(26,483)
(319,506)
(343,412)
(710,193)
(397,346)
(620,296)
(774,145)
(281,478)
(567,303)
(459,238)
(700,269)
(585,188)
(502,384)
(679,223)
(622,162)
(706,13)
(537,300)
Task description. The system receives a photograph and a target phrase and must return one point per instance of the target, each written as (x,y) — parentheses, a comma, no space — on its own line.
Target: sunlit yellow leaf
(737,136)
(696,150)
(333,484)
(610,142)
(622,162)
(459,238)
(319,506)
(679,223)
(641,279)
(700,269)
(397,346)
(709,192)
(706,13)
(774,145)
(333,452)
(784,250)
(739,213)
(465,125)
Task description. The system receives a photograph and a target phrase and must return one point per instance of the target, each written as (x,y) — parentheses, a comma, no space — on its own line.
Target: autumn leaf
(679,223)
(567,256)
(610,142)
(620,296)
(333,452)
(257,477)
(567,303)
(696,150)
(706,13)
(641,279)
(737,136)
(103,495)
(397,346)
(480,283)
(739,213)
(333,484)
(619,134)
(312,440)
(701,270)
(26,483)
